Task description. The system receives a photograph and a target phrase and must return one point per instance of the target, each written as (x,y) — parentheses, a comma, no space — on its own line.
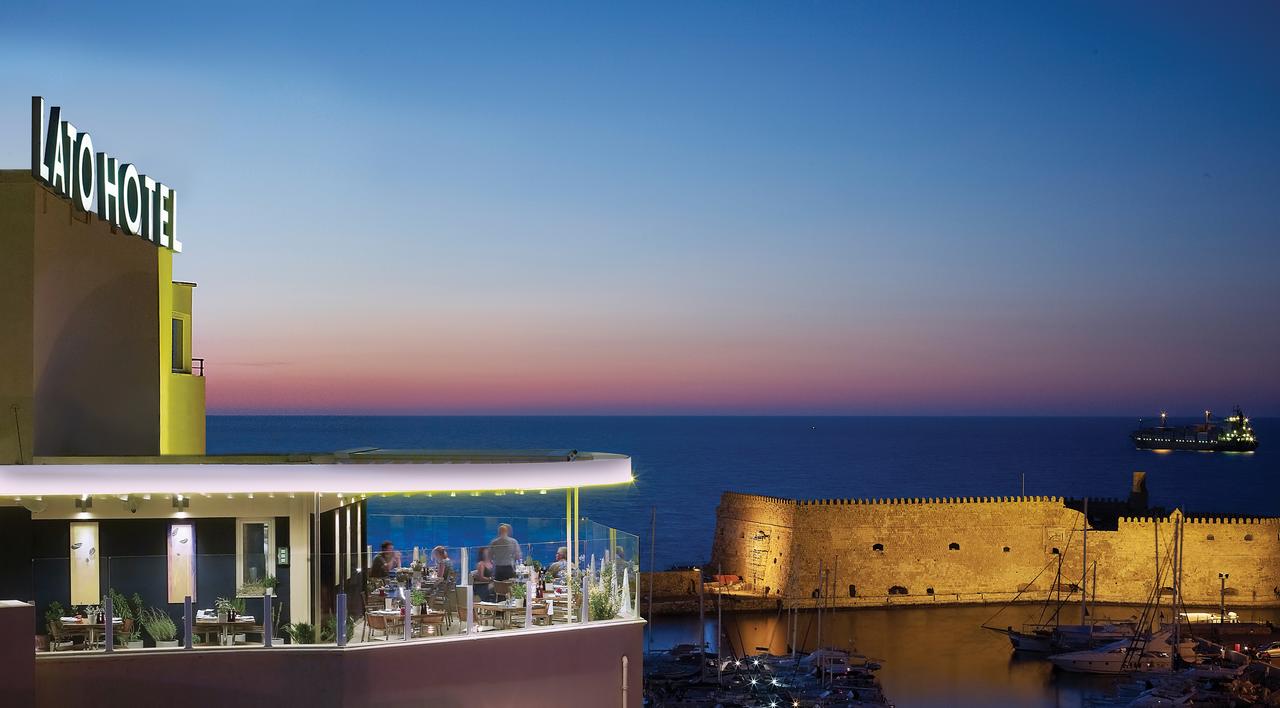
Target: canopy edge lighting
(309,478)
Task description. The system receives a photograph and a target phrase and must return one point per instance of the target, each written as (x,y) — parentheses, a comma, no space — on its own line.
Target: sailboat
(1053,636)
(1144,651)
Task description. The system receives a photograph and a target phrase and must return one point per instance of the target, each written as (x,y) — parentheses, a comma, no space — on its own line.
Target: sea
(931,656)
(683,464)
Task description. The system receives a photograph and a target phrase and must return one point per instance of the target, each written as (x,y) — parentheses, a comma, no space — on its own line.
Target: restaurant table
(242,623)
(500,610)
(90,629)
(418,620)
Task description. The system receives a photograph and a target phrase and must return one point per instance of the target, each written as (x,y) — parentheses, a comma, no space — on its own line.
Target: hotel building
(144,568)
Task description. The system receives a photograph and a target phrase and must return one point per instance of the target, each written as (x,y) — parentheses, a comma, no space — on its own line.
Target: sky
(865,208)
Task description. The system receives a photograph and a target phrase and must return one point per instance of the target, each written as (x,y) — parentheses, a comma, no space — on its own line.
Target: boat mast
(1084,568)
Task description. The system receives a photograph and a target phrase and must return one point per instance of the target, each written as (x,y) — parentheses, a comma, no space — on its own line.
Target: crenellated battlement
(902,501)
(725,496)
(1209,520)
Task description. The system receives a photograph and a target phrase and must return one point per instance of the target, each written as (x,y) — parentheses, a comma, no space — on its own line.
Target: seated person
(443,564)
(386,562)
(559,570)
(482,576)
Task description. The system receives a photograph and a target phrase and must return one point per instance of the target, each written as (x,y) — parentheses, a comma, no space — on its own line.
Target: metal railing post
(471,609)
(586,596)
(408,613)
(341,628)
(188,620)
(109,624)
(266,618)
(528,602)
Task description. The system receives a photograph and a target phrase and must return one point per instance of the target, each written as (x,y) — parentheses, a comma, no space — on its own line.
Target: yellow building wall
(182,430)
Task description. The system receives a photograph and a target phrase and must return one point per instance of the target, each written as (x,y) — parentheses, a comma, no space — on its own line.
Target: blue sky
(699,207)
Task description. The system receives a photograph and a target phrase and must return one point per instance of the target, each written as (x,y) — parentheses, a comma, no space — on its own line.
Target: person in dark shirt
(386,562)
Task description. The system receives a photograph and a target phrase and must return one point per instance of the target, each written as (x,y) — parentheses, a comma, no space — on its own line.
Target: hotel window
(255,556)
(179,356)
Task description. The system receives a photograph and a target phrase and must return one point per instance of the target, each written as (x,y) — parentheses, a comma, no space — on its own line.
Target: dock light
(84,503)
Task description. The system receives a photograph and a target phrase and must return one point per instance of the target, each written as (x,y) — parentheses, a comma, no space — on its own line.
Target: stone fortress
(988,550)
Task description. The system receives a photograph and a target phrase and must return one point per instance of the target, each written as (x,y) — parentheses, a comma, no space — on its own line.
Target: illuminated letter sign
(63,159)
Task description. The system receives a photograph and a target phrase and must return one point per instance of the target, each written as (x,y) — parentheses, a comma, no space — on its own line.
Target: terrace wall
(572,667)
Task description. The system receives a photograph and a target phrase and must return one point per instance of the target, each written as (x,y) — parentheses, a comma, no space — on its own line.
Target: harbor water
(936,656)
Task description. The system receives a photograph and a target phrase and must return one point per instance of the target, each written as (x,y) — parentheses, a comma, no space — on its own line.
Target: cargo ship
(1230,434)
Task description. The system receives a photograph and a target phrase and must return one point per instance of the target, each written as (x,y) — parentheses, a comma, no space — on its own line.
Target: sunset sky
(861,208)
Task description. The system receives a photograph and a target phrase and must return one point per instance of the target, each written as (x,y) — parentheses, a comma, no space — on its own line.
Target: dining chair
(431,623)
(502,589)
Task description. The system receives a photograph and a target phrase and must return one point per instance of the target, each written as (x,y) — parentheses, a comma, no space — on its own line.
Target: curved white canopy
(347,477)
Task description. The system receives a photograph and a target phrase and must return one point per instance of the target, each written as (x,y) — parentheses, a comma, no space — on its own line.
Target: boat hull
(1147,443)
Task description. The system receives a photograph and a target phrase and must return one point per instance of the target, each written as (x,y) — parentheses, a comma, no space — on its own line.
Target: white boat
(1125,655)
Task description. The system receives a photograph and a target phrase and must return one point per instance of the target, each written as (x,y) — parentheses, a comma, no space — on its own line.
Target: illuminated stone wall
(981,550)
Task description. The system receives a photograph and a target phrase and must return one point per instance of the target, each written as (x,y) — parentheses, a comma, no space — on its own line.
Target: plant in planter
(329,631)
(129,610)
(278,630)
(418,599)
(518,593)
(259,588)
(603,604)
(160,626)
(301,633)
(226,609)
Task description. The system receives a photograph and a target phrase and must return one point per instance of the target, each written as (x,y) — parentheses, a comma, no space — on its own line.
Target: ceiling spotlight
(84,503)
(180,502)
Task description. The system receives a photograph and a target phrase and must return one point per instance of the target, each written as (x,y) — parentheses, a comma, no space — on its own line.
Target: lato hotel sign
(62,157)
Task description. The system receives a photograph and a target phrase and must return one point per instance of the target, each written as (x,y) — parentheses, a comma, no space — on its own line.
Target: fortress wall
(1248,550)
(780,544)
(754,540)
(916,536)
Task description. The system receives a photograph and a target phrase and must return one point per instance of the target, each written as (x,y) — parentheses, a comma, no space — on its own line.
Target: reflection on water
(931,656)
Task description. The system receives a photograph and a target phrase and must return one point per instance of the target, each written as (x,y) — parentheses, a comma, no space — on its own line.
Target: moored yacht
(1125,655)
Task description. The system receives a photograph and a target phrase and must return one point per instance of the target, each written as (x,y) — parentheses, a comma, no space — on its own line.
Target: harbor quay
(771,552)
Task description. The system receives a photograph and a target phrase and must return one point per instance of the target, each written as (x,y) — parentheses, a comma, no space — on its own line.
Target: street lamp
(1222,597)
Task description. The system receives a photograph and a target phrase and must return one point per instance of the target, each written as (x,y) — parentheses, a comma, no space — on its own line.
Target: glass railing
(416,593)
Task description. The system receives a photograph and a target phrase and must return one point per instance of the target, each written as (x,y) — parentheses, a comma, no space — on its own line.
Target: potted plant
(52,615)
(603,603)
(418,599)
(278,630)
(518,592)
(160,626)
(129,610)
(258,588)
(329,630)
(301,633)
(226,609)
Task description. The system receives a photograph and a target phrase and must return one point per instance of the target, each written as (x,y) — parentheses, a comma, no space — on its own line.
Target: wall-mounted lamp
(180,502)
(84,503)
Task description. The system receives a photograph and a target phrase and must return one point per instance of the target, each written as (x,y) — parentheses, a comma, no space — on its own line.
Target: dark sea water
(682,464)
